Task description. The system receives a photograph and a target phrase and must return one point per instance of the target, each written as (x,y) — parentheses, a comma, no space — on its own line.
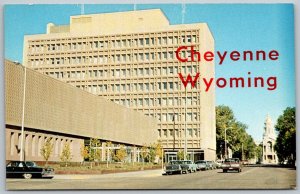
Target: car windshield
(175,162)
(232,160)
(31,164)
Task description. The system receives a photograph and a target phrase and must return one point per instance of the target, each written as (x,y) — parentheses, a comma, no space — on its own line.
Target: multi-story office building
(129,58)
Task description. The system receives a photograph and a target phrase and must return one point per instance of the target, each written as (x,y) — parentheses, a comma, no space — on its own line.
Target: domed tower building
(269,138)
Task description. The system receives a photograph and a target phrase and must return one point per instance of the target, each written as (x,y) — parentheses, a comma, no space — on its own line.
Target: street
(249,178)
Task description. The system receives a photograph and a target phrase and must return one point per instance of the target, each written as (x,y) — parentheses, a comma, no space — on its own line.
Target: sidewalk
(144,173)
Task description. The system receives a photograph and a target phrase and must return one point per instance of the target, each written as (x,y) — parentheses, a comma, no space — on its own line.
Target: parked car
(173,167)
(27,170)
(232,164)
(180,166)
(202,165)
(188,166)
(212,165)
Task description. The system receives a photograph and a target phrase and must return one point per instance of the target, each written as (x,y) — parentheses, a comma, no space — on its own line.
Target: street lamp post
(225,145)
(23,117)
(185,130)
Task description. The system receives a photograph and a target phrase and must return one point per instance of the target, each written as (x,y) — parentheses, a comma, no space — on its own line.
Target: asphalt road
(250,178)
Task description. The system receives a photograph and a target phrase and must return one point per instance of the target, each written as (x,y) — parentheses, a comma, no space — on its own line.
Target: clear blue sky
(234,27)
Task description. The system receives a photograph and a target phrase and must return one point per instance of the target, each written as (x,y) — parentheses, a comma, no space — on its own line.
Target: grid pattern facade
(138,70)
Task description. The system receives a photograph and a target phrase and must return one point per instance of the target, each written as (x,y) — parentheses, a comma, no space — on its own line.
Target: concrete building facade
(66,114)
(269,139)
(129,58)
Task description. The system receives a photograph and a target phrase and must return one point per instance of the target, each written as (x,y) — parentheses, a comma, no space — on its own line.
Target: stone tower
(269,138)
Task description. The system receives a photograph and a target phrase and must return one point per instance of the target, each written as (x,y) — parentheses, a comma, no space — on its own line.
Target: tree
(144,153)
(285,145)
(152,153)
(108,151)
(121,153)
(47,150)
(94,152)
(158,151)
(241,143)
(66,154)
(84,152)
(180,154)
(258,151)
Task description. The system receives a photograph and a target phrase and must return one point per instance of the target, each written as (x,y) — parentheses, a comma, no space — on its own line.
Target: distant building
(269,138)
(129,58)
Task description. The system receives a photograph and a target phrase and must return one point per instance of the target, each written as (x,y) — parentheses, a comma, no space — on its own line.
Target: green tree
(158,151)
(108,152)
(285,145)
(84,152)
(241,143)
(144,153)
(259,150)
(121,154)
(152,153)
(180,154)
(94,152)
(66,154)
(47,150)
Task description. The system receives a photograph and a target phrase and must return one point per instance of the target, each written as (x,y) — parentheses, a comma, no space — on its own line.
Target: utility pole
(23,117)
(174,131)
(242,151)
(225,144)
(185,129)
(162,159)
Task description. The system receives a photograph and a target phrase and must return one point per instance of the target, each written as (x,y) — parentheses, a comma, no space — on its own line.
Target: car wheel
(224,170)
(27,176)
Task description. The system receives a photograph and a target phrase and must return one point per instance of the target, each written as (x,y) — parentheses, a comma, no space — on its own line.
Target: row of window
(134,87)
(121,43)
(150,102)
(122,73)
(166,133)
(103,59)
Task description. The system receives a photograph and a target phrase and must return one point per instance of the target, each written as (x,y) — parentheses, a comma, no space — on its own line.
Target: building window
(164,101)
(140,102)
(171,85)
(164,85)
(159,117)
(165,133)
(189,116)
(146,87)
(190,132)
(164,71)
(147,72)
(141,72)
(141,88)
(158,101)
(196,132)
(189,101)
(151,102)
(147,41)
(141,42)
(147,101)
